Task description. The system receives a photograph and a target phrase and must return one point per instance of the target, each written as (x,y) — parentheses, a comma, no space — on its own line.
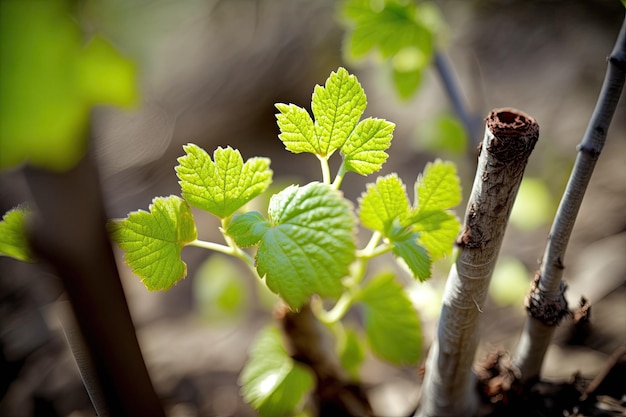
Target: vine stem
(325,169)
(546,304)
(448,388)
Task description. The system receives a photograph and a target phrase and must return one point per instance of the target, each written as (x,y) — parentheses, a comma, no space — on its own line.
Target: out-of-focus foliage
(443,133)
(534,206)
(50,78)
(401,31)
(509,283)
(219,289)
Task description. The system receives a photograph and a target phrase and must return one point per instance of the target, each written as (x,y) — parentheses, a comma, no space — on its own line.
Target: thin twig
(546,302)
(471,123)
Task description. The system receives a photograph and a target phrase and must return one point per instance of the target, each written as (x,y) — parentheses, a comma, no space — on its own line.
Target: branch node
(549,309)
(590,150)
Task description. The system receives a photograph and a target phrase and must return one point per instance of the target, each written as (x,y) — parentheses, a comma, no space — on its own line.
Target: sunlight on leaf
(382,203)
(223,185)
(152,241)
(337,108)
(13,238)
(364,151)
(271,381)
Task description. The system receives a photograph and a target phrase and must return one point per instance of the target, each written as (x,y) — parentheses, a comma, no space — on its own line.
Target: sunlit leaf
(337,107)
(13,237)
(153,241)
(222,185)
(271,381)
(383,203)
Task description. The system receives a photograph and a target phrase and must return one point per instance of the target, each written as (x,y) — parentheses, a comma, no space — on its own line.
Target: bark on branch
(69,233)
(546,303)
(309,343)
(449,385)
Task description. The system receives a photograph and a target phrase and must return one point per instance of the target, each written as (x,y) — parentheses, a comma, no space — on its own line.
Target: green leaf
(297,131)
(248,228)
(438,188)
(437,232)
(13,237)
(273,383)
(153,241)
(337,108)
(364,151)
(224,185)
(54,78)
(351,353)
(391,322)
(382,203)
(310,245)
(414,255)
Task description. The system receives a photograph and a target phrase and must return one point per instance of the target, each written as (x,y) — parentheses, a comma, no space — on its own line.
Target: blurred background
(210,72)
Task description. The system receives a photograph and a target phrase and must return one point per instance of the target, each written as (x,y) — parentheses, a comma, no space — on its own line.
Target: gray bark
(449,385)
(69,234)
(546,303)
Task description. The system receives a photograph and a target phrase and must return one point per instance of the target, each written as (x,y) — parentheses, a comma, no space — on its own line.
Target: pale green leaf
(364,151)
(406,246)
(438,188)
(153,241)
(13,237)
(248,228)
(437,232)
(311,244)
(337,108)
(391,322)
(383,203)
(222,185)
(296,129)
(271,381)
